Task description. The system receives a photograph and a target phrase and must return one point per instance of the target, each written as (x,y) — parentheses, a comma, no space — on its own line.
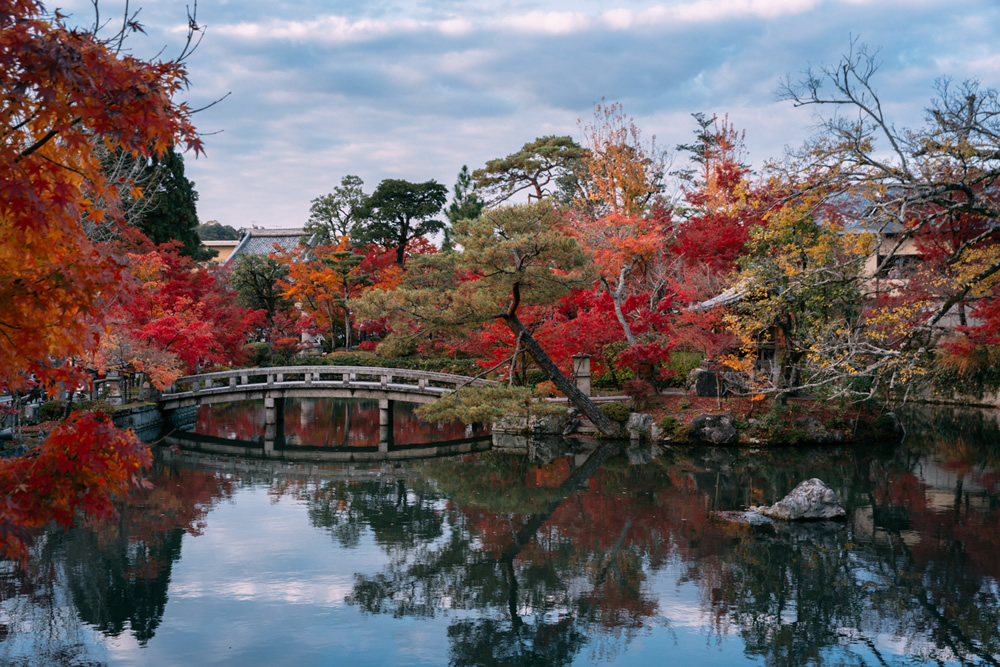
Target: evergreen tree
(257,279)
(399,211)
(213,230)
(465,204)
(337,214)
(172,214)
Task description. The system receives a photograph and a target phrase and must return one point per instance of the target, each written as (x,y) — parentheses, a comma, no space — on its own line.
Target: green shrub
(258,354)
(682,433)
(790,436)
(668,423)
(681,363)
(94,406)
(52,410)
(534,376)
(612,380)
(345,358)
(836,422)
(683,404)
(616,411)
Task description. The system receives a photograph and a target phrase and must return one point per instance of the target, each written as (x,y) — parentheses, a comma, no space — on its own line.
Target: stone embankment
(147,420)
(711,429)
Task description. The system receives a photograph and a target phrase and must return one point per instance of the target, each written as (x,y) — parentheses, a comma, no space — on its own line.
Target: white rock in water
(811,499)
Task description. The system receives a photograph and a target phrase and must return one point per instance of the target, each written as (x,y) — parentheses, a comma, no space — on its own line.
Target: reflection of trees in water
(325,422)
(557,556)
(491,641)
(917,561)
(399,517)
(536,562)
(788,594)
(116,573)
(119,583)
(805,596)
(536,606)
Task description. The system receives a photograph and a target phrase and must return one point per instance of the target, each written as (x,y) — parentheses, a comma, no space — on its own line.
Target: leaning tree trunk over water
(579,400)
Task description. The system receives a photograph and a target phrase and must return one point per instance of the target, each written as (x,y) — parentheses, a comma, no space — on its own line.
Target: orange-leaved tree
(622,172)
(65,89)
(617,214)
(324,280)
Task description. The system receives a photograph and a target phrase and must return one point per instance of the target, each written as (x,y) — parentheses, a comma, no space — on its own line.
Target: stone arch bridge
(274,385)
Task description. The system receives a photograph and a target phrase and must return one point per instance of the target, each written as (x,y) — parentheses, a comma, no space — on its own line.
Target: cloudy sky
(414,90)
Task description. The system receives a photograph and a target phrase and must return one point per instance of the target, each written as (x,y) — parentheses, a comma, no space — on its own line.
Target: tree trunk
(563,383)
(616,298)
(401,242)
(347,325)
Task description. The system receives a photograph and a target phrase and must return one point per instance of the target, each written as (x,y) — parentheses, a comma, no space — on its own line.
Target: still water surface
(571,553)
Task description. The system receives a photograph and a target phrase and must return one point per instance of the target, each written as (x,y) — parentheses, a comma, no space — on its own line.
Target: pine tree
(173,214)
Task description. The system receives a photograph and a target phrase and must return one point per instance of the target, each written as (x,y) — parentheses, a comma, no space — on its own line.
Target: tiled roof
(262,242)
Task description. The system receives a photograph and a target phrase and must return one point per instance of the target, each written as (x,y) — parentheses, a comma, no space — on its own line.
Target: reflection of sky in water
(264,584)
(261,587)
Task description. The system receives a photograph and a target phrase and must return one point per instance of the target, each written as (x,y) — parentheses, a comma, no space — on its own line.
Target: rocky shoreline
(714,429)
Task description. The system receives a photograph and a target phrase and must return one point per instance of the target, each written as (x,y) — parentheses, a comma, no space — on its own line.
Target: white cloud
(546,23)
(331,29)
(456,27)
(340,29)
(706,11)
(418,93)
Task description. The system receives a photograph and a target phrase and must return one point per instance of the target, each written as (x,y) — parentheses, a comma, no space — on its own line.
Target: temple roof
(262,242)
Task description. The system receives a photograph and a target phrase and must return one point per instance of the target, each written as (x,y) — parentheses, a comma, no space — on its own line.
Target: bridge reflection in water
(321,430)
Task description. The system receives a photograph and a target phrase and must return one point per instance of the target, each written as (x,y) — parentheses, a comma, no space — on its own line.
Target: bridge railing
(397,379)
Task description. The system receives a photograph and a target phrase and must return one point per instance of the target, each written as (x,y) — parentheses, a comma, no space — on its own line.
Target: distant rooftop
(262,242)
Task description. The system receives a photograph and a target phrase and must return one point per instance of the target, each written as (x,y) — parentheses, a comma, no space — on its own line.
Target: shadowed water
(570,553)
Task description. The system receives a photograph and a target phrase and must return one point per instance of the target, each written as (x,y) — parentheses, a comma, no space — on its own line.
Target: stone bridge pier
(385,440)
(274,419)
(274,423)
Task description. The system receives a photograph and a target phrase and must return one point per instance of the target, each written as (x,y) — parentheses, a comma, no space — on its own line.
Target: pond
(571,552)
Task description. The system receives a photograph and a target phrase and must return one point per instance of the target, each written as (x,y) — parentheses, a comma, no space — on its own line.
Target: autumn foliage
(82,466)
(180,317)
(65,91)
(325,280)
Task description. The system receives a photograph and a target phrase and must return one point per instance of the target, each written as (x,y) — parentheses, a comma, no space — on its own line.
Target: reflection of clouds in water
(897,645)
(325,591)
(124,649)
(266,581)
